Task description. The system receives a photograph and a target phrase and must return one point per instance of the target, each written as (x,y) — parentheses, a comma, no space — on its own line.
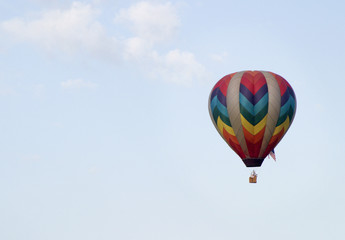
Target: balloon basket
(253,177)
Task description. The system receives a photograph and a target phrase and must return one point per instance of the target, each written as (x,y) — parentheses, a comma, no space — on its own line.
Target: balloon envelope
(252,111)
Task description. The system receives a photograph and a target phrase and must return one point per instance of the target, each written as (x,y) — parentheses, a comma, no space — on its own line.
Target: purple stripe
(259,94)
(254,99)
(292,93)
(220,96)
(285,97)
(245,92)
(214,93)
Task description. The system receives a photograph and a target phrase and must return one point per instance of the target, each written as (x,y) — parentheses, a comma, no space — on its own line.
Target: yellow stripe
(222,125)
(284,125)
(253,129)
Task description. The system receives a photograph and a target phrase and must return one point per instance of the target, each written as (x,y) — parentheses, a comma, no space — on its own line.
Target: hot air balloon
(252,111)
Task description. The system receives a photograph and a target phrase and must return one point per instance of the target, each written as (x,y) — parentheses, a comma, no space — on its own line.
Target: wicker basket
(252,179)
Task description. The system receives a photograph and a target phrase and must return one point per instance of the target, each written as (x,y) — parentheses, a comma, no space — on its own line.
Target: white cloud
(220,57)
(77,83)
(179,67)
(150,22)
(76,30)
(136,48)
(67,30)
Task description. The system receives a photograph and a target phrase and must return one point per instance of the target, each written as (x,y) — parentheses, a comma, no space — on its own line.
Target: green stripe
(224,118)
(291,113)
(282,119)
(288,113)
(247,115)
(254,119)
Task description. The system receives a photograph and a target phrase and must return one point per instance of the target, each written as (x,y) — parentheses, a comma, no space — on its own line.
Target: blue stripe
(261,93)
(214,93)
(220,95)
(292,93)
(216,103)
(292,102)
(261,104)
(285,97)
(249,106)
(246,93)
(289,103)
(246,104)
(254,99)
(286,107)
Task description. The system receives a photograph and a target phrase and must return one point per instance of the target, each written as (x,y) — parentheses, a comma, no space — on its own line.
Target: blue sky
(105,130)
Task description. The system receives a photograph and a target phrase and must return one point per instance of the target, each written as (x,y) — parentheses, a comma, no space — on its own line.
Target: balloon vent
(253,162)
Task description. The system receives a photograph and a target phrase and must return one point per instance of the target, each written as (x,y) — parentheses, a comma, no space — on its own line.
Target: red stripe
(259,81)
(233,143)
(248,81)
(253,80)
(217,85)
(225,83)
(281,82)
(254,142)
(274,142)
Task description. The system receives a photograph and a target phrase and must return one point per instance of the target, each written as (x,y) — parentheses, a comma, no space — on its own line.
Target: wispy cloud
(66,30)
(149,21)
(219,57)
(178,67)
(77,83)
(76,30)
(152,24)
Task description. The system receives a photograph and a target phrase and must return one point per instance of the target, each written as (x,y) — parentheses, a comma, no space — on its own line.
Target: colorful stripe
(252,111)
(220,116)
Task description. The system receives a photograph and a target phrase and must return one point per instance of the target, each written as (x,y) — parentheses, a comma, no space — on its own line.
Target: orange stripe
(254,142)
(233,143)
(254,138)
(273,142)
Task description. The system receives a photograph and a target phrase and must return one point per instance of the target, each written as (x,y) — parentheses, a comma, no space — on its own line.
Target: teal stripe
(289,104)
(215,103)
(284,108)
(261,104)
(281,119)
(249,106)
(293,102)
(254,119)
(291,113)
(216,113)
(245,103)
(247,115)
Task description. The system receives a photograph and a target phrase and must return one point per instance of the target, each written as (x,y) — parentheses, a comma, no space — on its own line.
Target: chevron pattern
(287,112)
(248,134)
(219,114)
(253,109)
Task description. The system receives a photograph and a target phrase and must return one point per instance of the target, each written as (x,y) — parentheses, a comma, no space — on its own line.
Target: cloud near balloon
(77,30)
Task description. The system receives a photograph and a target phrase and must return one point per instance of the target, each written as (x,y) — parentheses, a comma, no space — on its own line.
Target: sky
(105,132)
